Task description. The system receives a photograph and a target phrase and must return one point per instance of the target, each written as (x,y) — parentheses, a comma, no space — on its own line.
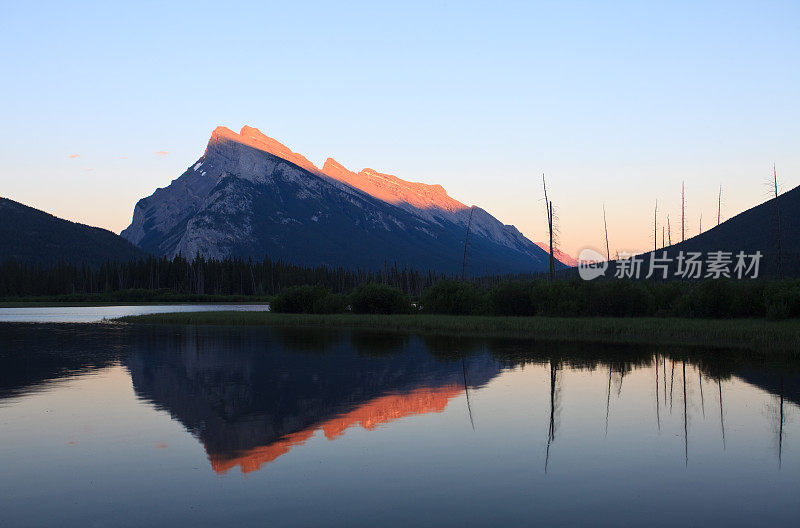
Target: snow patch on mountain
(237,205)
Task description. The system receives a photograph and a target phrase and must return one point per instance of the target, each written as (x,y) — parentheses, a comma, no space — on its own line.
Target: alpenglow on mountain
(250,196)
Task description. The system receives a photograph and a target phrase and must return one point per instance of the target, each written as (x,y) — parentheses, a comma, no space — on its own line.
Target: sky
(617,102)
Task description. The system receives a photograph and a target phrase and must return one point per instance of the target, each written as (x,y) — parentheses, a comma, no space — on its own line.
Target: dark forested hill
(35,237)
(756,230)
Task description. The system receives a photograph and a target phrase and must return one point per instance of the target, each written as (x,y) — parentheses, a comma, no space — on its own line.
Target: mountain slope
(563,258)
(750,231)
(250,196)
(34,237)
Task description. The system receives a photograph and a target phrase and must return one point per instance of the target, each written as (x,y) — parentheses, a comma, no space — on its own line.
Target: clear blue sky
(615,101)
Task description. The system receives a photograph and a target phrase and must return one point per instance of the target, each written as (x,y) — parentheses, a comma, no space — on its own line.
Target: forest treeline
(151,278)
(299,289)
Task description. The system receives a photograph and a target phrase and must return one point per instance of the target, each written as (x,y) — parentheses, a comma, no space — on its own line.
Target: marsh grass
(755,334)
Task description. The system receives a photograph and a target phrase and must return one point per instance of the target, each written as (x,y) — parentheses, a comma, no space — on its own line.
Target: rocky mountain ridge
(251,196)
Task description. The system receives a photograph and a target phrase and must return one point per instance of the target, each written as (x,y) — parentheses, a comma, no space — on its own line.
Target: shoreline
(755,334)
(55,304)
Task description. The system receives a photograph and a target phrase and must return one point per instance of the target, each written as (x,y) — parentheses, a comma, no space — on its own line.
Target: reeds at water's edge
(763,337)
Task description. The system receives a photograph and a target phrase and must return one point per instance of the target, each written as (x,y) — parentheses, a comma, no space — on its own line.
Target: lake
(109,424)
(94,314)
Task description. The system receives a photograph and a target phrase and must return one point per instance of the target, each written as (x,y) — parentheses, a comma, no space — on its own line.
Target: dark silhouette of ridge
(31,236)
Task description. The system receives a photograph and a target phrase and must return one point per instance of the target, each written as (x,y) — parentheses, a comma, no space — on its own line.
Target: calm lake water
(94,314)
(208,426)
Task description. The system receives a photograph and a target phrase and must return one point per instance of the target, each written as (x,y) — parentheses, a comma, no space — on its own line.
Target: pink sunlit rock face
(562,257)
(253,137)
(385,187)
(369,415)
(392,189)
(251,196)
(430,202)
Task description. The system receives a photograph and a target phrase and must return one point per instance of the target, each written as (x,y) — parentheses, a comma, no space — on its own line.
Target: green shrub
(454,298)
(622,298)
(379,299)
(512,298)
(782,299)
(666,297)
(775,299)
(710,298)
(559,298)
(298,299)
(748,299)
(331,303)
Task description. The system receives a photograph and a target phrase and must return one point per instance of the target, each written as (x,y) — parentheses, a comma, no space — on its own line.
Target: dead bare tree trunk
(671,383)
(780,428)
(778,218)
(719,205)
(466,241)
(608,397)
(549,209)
(550,225)
(655,228)
(605,225)
(669,232)
(685,419)
(466,393)
(658,406)
(702,399)
(683,212)
(721,414)
(551,433)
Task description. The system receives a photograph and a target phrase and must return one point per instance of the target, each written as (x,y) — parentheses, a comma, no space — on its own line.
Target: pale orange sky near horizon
(618,103)
(580,216)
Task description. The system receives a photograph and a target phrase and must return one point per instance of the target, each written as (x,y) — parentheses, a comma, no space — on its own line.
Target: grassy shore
(737,333)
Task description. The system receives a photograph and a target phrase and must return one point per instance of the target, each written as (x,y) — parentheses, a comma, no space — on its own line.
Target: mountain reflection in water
(250,395)
(132,425)
(250,405)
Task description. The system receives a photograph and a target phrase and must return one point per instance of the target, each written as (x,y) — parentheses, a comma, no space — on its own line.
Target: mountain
(34,237)
(751,231)
(564,258)
(251,395)
(369,415)
(250,196)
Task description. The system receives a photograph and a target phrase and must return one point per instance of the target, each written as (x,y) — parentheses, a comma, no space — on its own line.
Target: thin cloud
(123,157)
(162,152)
(73,156)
